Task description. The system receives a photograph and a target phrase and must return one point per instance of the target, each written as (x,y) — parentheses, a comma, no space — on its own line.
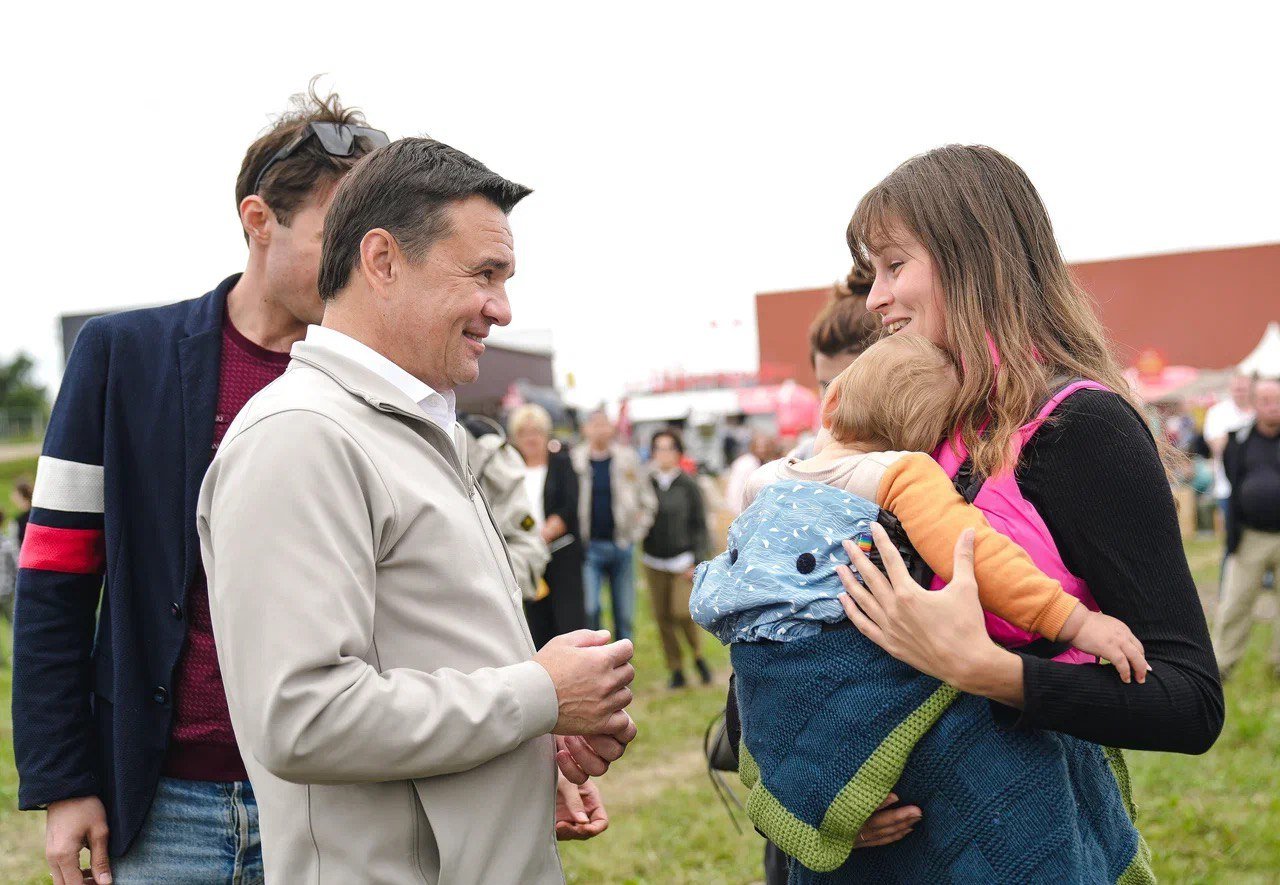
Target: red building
(1205,309)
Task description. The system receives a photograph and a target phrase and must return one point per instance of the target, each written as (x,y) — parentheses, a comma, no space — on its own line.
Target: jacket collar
(207,313)
(617,450)
(359,380)
(658,476)
(362,382)
(440,407)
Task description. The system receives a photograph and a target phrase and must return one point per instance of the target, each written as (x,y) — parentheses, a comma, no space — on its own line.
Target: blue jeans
(196,832)
(614,562)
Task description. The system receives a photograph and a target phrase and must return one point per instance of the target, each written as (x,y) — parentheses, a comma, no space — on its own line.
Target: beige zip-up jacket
(634,502)
(372,642)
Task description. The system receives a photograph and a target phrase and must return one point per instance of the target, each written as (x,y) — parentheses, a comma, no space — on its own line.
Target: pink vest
(1014,517)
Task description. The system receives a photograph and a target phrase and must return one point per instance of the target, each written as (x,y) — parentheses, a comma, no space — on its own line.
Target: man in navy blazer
(120,722)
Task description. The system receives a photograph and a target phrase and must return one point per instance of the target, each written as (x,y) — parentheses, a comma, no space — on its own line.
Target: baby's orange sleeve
(919,493)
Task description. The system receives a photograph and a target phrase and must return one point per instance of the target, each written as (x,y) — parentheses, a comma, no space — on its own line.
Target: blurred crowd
(12,531)
(584,510)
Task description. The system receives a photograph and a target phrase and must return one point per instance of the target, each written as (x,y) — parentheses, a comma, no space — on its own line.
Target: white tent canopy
(690,404)
(1265,359)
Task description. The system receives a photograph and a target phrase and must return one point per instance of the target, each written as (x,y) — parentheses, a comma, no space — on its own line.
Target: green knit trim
(826,847)
(1120,770)
(748,771)
(1139,871)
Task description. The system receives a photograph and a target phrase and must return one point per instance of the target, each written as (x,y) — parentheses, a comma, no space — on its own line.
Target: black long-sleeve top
(560,492)
(1095,477)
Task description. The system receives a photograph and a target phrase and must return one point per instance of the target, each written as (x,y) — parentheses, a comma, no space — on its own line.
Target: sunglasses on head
(337,139)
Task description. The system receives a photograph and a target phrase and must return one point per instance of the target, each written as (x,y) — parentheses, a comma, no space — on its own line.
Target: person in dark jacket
(676,542)
(21,497)
(8,580)
(1251,461)
(560,606)
(120,722)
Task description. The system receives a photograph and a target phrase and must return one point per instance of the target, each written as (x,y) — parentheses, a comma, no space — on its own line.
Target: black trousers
(565,609)
(775,865)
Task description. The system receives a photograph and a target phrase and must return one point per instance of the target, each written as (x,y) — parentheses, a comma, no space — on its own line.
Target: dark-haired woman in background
(676,542)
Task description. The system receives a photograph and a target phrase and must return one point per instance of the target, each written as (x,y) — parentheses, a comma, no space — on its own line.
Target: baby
(880,418)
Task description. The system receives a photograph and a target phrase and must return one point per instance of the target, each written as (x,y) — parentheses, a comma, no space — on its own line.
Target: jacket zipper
(469,489)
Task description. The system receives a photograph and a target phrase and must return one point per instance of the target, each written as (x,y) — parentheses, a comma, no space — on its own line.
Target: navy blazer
(110,551)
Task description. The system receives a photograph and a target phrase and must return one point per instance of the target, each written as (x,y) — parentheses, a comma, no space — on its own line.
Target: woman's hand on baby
(1106,637)
(888,823)
(940,633)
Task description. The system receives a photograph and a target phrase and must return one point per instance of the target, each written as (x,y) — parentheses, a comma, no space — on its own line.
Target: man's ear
(257,219)
(380,258)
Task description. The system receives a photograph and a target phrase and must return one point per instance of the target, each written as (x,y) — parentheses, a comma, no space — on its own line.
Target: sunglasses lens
(339,140)
(336,139)
(376,137)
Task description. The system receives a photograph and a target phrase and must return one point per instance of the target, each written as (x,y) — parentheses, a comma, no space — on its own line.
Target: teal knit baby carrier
(831,724)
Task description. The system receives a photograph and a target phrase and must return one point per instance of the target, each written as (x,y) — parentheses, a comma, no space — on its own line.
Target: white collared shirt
(440,408)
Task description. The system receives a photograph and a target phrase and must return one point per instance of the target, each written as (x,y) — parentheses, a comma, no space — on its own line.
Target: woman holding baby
(963,254)
(1045,429)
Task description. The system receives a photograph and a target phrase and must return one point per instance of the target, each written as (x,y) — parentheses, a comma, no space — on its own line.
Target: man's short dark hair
(289,183)
(404,188)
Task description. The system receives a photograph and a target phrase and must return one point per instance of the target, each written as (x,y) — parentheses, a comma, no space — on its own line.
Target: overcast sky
(684,156)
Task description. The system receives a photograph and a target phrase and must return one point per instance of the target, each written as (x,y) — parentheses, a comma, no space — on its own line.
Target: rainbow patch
(865,544)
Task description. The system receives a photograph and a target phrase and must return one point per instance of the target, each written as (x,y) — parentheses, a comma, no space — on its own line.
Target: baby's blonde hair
(897,396)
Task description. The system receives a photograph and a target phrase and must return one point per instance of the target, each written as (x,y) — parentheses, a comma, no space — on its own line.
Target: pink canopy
(794,407)
(1163,385)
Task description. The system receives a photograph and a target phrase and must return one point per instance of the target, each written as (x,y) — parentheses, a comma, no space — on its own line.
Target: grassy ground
(1214,818)
(9,472)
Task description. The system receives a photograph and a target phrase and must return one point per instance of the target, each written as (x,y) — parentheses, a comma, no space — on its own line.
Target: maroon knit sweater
(202,746)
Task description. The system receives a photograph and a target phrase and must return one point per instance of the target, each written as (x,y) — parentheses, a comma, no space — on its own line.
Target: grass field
(1213,818)
(9,472)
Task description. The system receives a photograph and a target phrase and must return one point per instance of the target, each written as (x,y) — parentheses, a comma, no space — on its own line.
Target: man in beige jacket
(386,697)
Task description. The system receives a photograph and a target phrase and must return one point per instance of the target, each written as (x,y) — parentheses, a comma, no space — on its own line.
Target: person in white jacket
(761,450)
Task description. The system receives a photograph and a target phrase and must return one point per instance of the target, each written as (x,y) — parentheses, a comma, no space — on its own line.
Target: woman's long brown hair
(1005,287)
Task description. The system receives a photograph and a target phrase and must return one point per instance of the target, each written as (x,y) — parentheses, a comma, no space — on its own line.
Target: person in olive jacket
(677,540)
